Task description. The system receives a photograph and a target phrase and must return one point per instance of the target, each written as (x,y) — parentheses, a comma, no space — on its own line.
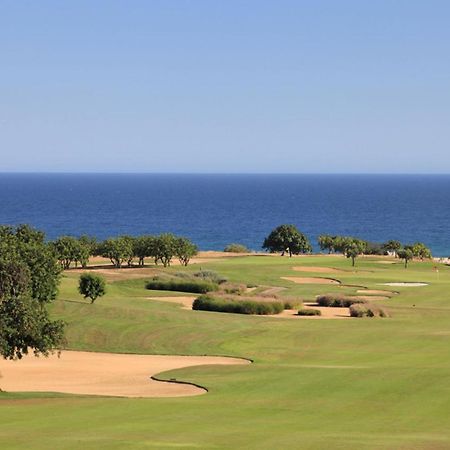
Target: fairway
(358,383)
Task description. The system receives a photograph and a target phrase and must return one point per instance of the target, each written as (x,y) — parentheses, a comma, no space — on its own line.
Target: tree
(67,249)
(406,254)
(354,249)
(351,247)
(143,247)
(326,242)
(420,250)
(392,246)
(92,286)
(118,250)
(29,277)
(287,238)
(86,248)
(165,248)
(185,250)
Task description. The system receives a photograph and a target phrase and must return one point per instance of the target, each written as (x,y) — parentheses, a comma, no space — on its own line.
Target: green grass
(342,384)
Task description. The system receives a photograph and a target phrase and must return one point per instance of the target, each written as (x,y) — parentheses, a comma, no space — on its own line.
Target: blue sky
(225,86)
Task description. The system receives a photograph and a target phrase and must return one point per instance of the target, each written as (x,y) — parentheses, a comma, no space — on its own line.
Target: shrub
(367,310)
(337,301)
(182,285)
(236,248)
(210,275)
(309,312)
(208,303)
(92,286)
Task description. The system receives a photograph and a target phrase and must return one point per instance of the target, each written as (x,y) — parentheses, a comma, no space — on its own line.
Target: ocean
(216,210)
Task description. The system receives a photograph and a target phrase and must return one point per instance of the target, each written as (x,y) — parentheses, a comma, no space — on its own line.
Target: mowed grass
(341,384)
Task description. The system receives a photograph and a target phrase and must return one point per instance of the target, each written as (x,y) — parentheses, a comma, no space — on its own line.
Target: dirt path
(108,374)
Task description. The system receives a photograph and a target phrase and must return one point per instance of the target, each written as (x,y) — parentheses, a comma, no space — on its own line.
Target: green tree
(406,254)
(392,246)
(29,277)
(185,250)
(287,238)
(420,250)
(354,249)
(67,249)
(326,242)
(92,286)
(86,248)
(117,250)
(144,247)
(165,248)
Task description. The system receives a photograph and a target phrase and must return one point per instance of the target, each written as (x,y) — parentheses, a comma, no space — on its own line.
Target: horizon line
(63,172)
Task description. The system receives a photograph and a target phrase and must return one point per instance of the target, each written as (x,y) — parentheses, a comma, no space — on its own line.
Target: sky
(247,86)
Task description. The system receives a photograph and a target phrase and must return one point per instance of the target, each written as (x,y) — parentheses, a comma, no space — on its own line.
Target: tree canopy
(92,286)
(287,238)
(29,277)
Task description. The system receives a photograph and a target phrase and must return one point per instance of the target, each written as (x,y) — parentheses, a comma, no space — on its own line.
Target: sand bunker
(310,280)
(312,269)
(185,301)
(326,313)
(407,284)
(108,374)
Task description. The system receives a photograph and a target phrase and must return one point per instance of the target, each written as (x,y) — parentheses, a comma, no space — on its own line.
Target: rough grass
(337,384)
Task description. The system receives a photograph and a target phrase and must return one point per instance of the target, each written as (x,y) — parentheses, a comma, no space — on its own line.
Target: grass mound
(337,301)
(237,306)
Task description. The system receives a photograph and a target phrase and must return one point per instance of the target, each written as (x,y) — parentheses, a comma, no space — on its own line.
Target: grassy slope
(361,383)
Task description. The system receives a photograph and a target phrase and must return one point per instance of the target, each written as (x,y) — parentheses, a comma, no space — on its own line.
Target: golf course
(312,384)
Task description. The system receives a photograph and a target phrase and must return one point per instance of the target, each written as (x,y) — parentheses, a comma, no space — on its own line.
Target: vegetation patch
(236,248)
(181,285)
(237,306)
(337,301)
(367,310)
(309,312)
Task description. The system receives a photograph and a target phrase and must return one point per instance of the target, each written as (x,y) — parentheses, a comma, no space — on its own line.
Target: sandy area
(108,374)
(315,280)
(327,313)
(398,284)
(312,269)
(185,301)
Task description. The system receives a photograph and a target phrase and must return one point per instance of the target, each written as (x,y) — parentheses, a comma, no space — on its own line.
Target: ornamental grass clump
(337,301)
(237,306)
(309,312)
(367,310)
(182,285)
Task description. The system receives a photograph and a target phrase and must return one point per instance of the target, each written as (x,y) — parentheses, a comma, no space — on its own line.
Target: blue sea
(215,210)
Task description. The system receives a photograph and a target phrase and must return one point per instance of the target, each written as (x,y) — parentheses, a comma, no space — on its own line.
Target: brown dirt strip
(108,374)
